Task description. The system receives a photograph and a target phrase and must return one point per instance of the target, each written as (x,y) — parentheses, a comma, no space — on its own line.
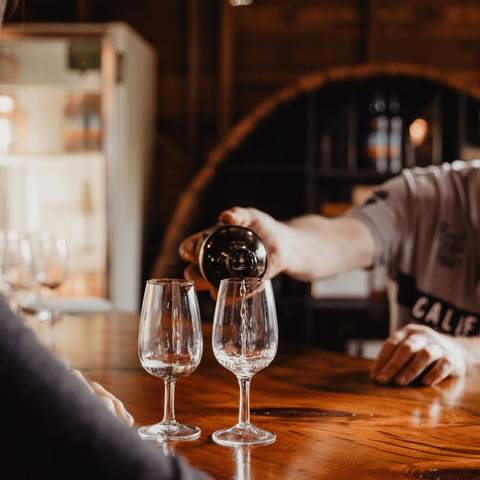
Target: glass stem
(244,410)
(169,404)
(53,307)
(50,336)
(13,303)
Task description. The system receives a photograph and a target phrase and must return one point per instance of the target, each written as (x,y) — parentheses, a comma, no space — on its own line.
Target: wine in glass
(245,339)
(170,347)
(50,261)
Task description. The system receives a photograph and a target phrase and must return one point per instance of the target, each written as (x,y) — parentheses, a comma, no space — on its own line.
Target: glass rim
(236,280)
(170,281)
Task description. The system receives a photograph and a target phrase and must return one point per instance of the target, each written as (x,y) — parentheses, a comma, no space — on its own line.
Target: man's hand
(109,400)
(417,350)
(275,235)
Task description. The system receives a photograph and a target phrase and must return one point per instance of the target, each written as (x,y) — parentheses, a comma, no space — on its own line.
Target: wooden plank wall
(246,53)
(277,41)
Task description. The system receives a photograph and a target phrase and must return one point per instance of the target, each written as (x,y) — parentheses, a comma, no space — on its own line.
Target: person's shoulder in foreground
(53,427)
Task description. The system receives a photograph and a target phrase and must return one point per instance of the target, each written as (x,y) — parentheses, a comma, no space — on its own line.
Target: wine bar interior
(283,190)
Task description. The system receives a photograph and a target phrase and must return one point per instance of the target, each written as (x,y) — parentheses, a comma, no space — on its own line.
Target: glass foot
(243,434)
(164,431)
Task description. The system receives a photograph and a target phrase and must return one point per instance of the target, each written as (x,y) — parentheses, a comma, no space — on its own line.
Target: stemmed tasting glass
(17,271)
(50,262)
(244,339)
(170,346)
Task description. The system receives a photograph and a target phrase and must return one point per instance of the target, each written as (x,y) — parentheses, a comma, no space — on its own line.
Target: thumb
(236,216)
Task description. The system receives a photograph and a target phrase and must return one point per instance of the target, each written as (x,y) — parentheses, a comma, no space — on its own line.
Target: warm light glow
(5,134)
(238,3)
(418,131)
(6,104)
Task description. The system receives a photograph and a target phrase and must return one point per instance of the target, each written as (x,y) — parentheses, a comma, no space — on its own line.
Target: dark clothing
(53,427)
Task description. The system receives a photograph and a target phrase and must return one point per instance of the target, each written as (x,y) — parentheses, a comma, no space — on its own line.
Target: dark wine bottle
(230,251)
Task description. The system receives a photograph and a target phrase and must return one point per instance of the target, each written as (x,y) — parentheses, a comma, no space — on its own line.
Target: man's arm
(306,248)
(471,350)
(312,247)
(321,247)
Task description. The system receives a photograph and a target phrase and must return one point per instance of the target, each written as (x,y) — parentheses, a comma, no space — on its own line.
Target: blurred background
(125,126)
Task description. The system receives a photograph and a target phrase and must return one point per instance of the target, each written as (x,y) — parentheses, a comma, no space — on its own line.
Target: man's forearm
(321,247)
(470,347)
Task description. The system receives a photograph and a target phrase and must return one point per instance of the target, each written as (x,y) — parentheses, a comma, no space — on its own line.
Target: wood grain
(330,420)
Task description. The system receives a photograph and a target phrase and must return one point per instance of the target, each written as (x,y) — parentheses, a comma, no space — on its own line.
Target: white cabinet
(77,113)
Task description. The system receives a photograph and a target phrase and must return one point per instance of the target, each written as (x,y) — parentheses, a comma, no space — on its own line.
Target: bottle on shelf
(82,125)
(13,123)
(377,135)
(7,107)
(395,134)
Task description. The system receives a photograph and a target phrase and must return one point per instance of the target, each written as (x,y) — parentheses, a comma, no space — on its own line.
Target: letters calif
(444,318)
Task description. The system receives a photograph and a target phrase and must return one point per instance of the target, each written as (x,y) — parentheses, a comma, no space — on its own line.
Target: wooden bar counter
(331,421)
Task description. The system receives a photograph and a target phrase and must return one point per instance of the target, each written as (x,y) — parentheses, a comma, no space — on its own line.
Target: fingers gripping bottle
(229,251)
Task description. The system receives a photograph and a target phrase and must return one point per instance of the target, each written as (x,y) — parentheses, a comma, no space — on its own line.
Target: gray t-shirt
(425,223)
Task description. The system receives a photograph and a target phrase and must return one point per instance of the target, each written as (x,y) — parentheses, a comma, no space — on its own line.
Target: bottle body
(229,251)
(377,138)
(395,146)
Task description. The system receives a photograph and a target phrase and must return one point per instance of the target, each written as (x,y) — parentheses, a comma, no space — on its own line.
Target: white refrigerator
(77,120)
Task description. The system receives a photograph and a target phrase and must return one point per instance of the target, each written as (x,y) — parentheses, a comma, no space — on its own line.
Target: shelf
(353,175)
(292,301)
(347,304)
(332,174)
(333,303)
(72,87)
(44,159)
(273,169)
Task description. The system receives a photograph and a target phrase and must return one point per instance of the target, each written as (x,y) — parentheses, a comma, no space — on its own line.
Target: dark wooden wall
(216,62)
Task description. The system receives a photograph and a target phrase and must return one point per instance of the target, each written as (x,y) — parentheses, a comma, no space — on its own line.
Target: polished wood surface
(330,420)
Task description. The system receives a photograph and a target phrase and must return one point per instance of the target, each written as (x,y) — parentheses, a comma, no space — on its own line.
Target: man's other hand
(417,351)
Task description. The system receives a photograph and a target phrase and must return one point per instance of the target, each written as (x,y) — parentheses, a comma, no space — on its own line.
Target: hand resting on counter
(419,352)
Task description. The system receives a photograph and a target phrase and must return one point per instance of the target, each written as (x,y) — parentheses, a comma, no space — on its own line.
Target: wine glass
(16,265)
(170,347)
(245,339)
(50,259)
(50,263)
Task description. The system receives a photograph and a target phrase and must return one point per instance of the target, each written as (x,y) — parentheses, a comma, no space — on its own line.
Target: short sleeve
(387,214)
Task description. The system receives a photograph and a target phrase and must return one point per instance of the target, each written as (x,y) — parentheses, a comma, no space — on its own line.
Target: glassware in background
(3,284)
(244,340)
(17,273)
(50,262)
(170,346)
